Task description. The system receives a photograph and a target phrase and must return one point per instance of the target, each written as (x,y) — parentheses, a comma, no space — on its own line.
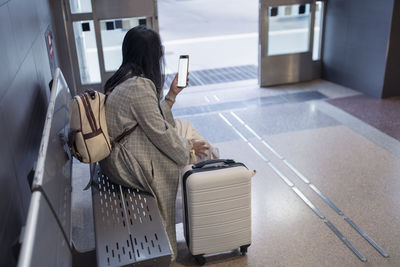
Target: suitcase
(217,207)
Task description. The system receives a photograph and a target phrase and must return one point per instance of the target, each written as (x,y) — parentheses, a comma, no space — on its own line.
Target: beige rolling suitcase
(217,207)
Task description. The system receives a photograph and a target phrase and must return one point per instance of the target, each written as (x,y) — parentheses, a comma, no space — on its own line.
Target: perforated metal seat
(128,226)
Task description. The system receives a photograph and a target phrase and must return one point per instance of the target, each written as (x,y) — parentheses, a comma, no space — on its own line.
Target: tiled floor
(381,113)
(352,163)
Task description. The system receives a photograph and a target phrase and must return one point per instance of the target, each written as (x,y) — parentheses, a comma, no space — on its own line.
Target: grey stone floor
(351,162)
(82,214)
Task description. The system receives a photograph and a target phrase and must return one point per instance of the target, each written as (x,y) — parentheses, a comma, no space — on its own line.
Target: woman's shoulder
(133,86)
(138,81)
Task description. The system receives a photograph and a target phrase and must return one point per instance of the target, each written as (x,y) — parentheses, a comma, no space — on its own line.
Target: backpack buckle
(91,93)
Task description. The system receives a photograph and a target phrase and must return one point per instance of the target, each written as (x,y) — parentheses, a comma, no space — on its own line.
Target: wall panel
(41,59)
(9,57)
(392,76)
(24,94)
(24,24)
(356,43)
(16,109)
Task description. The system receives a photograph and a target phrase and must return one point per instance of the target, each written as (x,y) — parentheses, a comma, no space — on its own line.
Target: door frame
(287,68)
(103,10)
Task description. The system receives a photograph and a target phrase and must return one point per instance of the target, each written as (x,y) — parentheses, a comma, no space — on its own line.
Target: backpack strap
(113,143)
(122,136)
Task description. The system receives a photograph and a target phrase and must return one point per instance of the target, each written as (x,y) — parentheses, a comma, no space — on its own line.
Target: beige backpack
(88,137)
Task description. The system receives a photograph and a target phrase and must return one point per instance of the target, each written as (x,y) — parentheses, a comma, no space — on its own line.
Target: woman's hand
(174,90)
(200,148)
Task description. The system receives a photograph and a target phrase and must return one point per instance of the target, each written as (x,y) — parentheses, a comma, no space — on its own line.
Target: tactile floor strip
(316,190)
(219,75)
(300,194)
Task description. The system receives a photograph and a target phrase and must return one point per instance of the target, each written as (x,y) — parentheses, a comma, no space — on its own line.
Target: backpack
(88,137)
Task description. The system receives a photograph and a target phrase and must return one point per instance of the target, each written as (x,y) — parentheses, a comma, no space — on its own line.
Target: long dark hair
(142,55)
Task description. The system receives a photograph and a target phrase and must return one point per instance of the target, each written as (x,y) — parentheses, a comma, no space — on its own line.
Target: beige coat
(150,157)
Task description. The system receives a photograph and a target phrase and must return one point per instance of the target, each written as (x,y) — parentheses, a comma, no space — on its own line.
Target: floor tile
(353,164)
(380,113)
(285,118)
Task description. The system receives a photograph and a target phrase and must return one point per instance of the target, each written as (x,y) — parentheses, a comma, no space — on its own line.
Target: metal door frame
(103,10)
(286,68)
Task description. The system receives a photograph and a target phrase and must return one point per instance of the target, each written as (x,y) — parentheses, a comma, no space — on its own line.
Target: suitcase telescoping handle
(209,162)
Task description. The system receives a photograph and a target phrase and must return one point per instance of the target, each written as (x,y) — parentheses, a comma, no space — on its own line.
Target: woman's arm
(166,110)
(174,90)
(145,107)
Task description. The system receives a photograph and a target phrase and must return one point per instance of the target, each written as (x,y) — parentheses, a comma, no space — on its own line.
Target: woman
(149,157)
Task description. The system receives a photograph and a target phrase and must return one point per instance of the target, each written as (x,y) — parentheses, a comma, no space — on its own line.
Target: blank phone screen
(182,72)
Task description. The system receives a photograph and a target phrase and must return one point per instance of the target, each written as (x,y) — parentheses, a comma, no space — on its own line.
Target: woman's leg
(187,130)
(165,190)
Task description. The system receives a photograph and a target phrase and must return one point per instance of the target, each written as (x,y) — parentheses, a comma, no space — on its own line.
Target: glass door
(290,38)
(96,29)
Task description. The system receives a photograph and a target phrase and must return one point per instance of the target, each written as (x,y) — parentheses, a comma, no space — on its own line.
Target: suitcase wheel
(200,259)
(243,250)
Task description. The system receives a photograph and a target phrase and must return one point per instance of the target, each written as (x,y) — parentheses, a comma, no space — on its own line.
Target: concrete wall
(356,43)
(391,85)
(24,77)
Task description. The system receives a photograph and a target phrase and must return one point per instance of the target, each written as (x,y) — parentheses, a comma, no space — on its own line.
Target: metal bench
(128,228)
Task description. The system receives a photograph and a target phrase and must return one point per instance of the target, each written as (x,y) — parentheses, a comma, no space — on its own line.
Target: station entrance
(269,42)
(94,31)
(291,33)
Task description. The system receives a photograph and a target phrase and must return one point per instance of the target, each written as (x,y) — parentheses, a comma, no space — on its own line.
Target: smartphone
(183,69)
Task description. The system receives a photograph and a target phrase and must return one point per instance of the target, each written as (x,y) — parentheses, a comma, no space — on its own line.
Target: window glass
(112,34)
(80,6)
(289,30)
(86,49)
(318,24)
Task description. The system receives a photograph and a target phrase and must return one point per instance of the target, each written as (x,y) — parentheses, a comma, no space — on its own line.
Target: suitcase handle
(211,162)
